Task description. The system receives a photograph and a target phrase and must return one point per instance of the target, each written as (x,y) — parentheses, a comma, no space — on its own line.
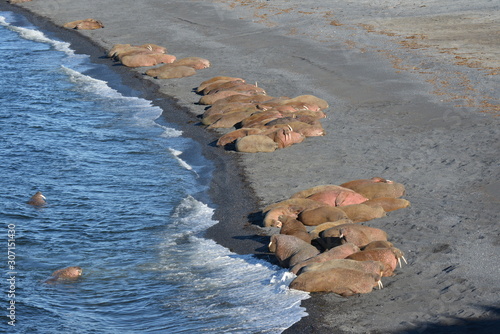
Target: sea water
(123,203)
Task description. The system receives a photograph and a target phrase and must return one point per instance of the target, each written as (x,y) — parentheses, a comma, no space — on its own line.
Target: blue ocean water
(122,203)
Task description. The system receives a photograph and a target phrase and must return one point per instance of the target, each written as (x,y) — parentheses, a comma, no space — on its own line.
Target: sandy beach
(414,97)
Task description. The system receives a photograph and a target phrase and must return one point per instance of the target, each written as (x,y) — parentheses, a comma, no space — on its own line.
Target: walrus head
(37,199)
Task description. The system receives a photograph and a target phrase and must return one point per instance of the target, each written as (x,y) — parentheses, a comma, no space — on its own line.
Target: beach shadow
(486,325)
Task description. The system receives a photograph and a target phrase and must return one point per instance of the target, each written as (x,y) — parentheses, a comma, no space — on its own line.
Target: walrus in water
(65,274)
(37,199)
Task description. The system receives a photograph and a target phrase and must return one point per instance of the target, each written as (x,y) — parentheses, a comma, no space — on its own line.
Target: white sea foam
(184,164)
(252,294)
(38,36)
(146,113)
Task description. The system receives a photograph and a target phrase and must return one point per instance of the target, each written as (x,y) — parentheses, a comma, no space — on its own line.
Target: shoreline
(448,234)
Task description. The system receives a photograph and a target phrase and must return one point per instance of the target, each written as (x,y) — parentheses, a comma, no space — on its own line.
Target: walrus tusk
(149,47)
(380,285)
(290,127)
(399,261)
(404,259)
(341,235)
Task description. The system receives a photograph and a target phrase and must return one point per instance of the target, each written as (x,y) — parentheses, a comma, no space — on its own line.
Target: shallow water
(125,197)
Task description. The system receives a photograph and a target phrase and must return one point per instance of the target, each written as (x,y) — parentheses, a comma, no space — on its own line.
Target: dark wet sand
(415,114)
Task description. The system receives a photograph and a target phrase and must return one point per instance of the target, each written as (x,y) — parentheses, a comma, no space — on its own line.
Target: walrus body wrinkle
(37,199)
(388,203)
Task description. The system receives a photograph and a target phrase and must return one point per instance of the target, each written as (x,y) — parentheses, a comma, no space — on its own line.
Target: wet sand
(414,97)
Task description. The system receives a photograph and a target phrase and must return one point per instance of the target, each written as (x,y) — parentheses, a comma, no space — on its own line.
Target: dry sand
(414,95)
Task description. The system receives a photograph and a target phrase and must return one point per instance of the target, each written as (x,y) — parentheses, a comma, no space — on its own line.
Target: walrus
(290,250)
(342,281)
(362,212)
(212,98)
(340,252)
(145,59)
(232,136)
(360,182)
(320,215)
(286,137)
(255,144)
(369,266)
(378,244)
(225,85)
(65,274)
(309,99)
(303,203)
(390,257)
(316,189)
(338,197)
(171,71)
(205,83)
(120,50)
(272,216)
(291,226)
(86,24)
(379,189)
(308,130)
(228,120)
(37,199)
(258,119)
(357,234)
(325,226)
(241,99)
(388,203)
(195,62)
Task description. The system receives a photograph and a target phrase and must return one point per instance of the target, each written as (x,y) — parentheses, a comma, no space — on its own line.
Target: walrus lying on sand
(290,250)
(86,24)
(65,274)
(390,257)
(342,281)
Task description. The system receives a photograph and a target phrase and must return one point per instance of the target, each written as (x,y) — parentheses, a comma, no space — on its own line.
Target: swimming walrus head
(37,199)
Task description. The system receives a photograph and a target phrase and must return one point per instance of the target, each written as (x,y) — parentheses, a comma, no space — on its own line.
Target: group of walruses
(64,274)
(322,242)
(148,55)
(263,123)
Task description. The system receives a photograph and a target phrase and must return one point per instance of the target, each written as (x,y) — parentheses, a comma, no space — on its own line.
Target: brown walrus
(171,71)
(360,182)
(378,244)
(340,252)
(390,257)
(379,189)
(325,226)
(388,203)
(255,144)
(290,250)
(357,234)
(342,281)
(362,212)
(272,216)
(372,267)
(303,203)
(37,199)
(65,274)
(338,197)
(291,226)
(221,79)
(320,215)
(195,62)
(86,24)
